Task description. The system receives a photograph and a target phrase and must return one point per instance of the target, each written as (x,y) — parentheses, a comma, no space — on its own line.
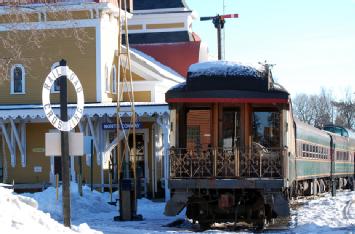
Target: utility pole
(218,22)
(65,148)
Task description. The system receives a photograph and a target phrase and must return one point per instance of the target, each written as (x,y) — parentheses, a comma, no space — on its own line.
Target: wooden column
(215,125)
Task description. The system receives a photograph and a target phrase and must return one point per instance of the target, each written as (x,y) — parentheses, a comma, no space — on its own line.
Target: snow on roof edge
(213,68)
(159,67)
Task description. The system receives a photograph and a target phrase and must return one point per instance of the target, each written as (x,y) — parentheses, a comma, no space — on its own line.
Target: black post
(65,148)
(219,41)
(218,22)
(92,164)
(332,168)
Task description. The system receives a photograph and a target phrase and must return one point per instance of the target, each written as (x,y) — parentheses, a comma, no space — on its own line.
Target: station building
(85,33)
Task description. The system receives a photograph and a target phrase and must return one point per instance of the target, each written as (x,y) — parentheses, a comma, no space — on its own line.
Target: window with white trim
(113,79)
(107,79)
(17,79)
(56,86)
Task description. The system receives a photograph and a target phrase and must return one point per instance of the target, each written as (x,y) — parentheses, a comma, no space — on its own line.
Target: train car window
(266,127)
(231,128)
(198,129)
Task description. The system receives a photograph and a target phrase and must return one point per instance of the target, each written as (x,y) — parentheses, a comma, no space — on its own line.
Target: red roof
(178,56)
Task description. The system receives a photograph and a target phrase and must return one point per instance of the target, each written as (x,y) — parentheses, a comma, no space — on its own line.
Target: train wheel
(259,222)
(204,225)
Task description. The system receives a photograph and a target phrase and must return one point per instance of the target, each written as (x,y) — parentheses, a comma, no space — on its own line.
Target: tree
(303,108)
(324,108)
(346,111)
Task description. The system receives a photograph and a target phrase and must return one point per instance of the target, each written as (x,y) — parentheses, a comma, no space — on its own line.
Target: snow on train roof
(225,68)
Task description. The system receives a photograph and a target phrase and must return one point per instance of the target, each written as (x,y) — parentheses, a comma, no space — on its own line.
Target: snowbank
(91,202)
(94,210)
(20,214)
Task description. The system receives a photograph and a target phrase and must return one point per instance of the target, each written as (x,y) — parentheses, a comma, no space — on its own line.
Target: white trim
(23,145)
(161,10)
(23,79)
(9,144)
(107,79)
(93,133)
(113,79)
(164,123)
(36,113)
(87,23)
(98,60)
(14,132)
(144,19)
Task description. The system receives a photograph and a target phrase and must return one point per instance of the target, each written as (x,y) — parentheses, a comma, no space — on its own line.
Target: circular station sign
(47,107)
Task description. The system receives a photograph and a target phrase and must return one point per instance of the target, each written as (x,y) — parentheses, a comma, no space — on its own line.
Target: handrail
(226,162)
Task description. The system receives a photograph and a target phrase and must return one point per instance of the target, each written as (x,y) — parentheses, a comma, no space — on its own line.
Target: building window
(107,79)
(113,79)
(56,86)
(17,79)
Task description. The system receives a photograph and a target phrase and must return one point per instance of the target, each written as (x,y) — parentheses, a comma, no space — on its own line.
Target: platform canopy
(90,110)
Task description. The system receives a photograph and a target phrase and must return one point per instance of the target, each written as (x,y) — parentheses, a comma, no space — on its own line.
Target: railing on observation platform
(252,162)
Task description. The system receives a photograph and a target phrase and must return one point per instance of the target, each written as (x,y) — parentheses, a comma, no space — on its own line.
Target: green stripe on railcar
(344,168)
(307,168)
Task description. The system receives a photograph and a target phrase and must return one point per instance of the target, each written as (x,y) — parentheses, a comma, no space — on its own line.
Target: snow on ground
(20,214)
(325,215)
(91,212)
(94,210)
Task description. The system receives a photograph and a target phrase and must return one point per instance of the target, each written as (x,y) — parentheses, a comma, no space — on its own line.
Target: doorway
(231,128)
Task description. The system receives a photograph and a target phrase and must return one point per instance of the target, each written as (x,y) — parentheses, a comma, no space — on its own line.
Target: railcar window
(266,128)
(198,134)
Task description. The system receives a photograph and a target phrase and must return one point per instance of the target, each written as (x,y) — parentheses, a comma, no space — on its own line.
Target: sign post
(63,124)
(65,148)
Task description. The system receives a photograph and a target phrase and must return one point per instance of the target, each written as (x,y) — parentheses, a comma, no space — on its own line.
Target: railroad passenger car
(238,154)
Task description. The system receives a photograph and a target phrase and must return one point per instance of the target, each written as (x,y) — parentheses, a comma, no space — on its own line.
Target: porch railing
(252,162)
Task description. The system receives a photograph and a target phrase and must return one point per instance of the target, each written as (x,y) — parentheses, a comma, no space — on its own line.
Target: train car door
(231,128)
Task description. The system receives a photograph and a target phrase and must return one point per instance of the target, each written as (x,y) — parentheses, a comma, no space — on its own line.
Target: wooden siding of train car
(81,61)
(307,167)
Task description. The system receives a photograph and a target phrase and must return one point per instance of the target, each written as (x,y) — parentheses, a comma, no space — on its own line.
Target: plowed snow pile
(20,214)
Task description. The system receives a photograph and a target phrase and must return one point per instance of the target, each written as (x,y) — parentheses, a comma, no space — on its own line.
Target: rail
(253,162)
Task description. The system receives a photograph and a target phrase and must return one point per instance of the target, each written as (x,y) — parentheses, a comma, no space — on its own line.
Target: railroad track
(346,210)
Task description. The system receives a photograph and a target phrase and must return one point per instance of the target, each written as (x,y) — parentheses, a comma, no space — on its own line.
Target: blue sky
(312,42)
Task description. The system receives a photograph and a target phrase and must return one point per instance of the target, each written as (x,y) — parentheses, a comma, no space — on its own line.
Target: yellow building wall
(58,44)
(35,157)
(35,133)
